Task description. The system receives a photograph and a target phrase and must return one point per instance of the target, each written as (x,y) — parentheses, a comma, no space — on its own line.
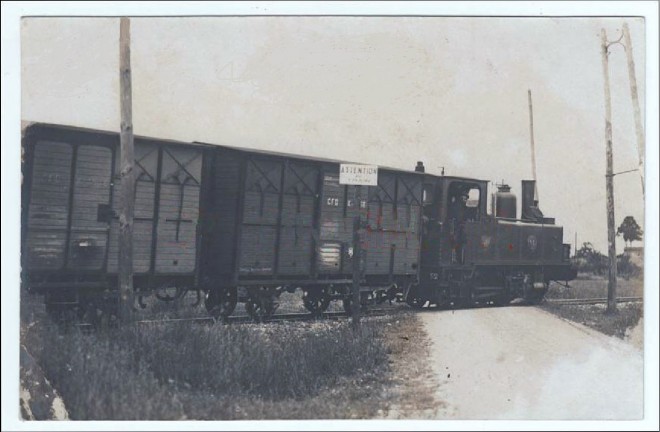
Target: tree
(589,260)
(630,230)
(627,268)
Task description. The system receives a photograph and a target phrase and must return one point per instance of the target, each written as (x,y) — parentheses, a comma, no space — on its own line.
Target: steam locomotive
(241,225)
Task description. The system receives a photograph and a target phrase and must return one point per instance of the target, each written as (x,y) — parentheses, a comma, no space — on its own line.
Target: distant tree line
(589,260)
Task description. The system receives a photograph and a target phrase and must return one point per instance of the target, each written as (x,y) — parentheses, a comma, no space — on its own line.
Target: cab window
(473,198)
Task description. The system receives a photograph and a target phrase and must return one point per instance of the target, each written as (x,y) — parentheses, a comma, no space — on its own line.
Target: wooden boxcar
(70,203)
(272,222)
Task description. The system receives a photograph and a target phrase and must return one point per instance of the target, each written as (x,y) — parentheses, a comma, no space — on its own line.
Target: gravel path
(524,363)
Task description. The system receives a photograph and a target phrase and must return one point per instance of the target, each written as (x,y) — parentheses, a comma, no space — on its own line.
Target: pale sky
(451,92)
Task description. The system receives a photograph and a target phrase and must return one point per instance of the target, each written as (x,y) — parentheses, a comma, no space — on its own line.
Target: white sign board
(352,174)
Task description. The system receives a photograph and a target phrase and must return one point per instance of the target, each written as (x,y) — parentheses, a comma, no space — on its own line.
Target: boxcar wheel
(347,303)
(260,309)
(220,303)
(316,302)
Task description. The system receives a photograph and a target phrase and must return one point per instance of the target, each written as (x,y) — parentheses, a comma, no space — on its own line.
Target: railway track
(591,301)
(301,316)
(286,317)
(339,315)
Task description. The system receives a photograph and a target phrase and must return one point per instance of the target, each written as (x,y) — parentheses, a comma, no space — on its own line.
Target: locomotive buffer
(357,175)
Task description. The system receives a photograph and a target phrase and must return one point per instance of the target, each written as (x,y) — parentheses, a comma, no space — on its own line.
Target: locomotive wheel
(316,302)
(442,301)
(260,309)
(220,303)
(471,300)
(416,302)
(501,300)
(413,299)
(536,297)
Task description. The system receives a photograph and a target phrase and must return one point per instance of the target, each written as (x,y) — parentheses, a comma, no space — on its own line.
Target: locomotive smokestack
(530,207)
(420,167)
(527,197)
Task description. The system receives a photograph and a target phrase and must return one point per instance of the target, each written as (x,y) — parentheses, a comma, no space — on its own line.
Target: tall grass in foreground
(158,371)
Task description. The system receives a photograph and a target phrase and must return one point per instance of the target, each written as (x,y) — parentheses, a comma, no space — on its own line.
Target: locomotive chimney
(530,208)
(420,167)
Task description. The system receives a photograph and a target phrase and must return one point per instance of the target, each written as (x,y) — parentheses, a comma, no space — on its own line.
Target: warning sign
(352,174)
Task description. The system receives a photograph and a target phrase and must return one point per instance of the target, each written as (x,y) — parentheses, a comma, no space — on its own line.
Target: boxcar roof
(44,127)
(303,157)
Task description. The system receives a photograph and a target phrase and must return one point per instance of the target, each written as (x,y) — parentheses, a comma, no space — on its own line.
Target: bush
(626,268)
(589,260)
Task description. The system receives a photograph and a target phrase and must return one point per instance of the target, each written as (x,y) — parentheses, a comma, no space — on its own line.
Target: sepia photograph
(359,215)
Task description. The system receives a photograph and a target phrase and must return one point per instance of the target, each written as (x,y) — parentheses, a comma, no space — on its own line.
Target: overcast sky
(451,92)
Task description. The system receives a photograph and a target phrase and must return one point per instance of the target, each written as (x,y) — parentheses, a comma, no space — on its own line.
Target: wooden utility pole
(357,258)
(609,177)
(125,271)
(531,137)
(639,128)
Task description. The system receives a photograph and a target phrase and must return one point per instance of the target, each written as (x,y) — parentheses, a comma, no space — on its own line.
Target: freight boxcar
(70,206)
(272,222)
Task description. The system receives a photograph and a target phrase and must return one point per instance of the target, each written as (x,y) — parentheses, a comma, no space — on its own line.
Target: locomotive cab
(449,203)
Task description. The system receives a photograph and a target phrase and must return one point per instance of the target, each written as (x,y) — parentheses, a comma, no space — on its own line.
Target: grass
(190,371)
(595,287)
(594,316)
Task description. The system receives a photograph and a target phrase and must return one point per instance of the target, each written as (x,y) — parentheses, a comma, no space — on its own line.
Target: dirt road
(524,363)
